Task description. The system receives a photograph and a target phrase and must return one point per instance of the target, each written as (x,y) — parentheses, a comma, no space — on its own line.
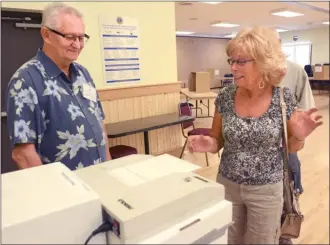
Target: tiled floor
(315,175)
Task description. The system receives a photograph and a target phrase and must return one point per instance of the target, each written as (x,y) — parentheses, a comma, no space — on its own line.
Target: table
(144,125)
(199,96)
(221,82)
(322,83)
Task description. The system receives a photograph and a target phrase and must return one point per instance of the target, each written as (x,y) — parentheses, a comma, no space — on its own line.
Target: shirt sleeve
(290,101)
(304,92)
(22,111)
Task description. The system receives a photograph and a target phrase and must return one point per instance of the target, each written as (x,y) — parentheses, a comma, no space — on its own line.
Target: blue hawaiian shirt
(47,109)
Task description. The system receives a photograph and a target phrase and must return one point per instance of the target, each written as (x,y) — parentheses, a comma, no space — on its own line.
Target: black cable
(105,227)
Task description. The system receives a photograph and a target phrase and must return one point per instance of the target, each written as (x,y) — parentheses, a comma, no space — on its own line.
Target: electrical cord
(105,227)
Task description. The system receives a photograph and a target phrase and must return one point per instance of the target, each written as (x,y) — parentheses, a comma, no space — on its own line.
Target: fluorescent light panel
(231,35)
(325,22)
(226,25)
(287,14)
(184,32)
(212,2)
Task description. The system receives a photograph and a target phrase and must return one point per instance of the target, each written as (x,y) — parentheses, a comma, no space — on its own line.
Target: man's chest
(64,103)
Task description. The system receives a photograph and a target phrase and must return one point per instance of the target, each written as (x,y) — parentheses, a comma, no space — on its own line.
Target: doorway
(19,43)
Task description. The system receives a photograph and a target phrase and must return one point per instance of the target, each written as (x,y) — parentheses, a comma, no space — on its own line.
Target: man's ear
(45,34)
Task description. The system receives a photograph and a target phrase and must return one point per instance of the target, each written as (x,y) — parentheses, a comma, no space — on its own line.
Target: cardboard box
(212,76)
(321,72)
(199,82)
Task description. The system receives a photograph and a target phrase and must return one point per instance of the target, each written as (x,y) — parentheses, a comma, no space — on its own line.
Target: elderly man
(54,113)
(297,80)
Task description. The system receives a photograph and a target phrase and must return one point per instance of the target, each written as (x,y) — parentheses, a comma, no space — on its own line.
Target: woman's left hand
(303,123)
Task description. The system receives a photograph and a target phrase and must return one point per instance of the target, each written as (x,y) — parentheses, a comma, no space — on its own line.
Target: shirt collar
(51,68)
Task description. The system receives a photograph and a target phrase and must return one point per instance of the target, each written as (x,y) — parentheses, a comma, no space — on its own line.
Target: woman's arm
(300,125)
(294,144)
(216,133)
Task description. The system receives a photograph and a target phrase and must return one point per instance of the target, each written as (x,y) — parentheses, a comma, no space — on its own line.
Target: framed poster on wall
(120,49)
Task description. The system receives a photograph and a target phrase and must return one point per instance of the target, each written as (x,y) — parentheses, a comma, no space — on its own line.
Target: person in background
(296,79)
(248,126)
(54,113)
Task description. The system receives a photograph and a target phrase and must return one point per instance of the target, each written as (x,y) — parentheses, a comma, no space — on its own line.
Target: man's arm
(106,142)
(304,94)
(25,156)
(22,113)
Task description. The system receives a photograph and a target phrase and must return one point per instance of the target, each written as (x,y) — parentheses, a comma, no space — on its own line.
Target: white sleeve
(304,92)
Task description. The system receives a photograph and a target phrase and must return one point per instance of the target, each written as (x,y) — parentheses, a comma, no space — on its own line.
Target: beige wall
(319,38)
(157,37)
(198,54)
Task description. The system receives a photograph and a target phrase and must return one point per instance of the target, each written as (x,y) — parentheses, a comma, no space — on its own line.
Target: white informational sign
(318,68)
(120,49)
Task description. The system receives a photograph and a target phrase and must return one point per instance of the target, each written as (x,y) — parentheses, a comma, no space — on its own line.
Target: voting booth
(321,72)
(199,82)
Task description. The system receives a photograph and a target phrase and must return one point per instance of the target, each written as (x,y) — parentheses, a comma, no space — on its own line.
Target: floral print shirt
(252,153)
(47,109)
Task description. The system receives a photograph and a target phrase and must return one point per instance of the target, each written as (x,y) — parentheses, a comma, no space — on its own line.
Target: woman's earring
(261,84)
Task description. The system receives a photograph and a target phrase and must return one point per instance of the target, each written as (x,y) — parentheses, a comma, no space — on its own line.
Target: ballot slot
(189,225)
(199,178)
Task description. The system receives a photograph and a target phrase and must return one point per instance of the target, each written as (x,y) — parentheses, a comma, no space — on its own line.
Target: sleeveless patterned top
(252,153)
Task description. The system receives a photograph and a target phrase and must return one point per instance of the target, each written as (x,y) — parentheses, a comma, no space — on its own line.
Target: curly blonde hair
(264,46)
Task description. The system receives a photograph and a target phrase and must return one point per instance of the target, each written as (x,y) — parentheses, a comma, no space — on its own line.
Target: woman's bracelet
(298,139)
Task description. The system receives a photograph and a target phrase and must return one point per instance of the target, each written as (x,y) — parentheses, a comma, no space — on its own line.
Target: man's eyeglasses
(238,62)
(71,38)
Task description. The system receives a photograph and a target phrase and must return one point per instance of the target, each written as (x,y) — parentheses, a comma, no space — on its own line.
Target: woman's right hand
(201,143)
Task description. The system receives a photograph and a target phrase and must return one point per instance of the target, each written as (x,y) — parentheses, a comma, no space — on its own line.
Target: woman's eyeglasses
(238,62)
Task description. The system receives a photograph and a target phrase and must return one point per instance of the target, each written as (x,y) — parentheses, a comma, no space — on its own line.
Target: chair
(185,110)
(197,108)
(118,151)
(227,82)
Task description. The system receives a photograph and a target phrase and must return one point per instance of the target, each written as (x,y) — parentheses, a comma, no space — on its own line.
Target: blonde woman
(248,126)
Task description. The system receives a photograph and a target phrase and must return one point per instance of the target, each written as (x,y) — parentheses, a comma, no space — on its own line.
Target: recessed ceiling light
(222,24)
(281,30)
(287,14)
(325,22)
(184,32)
(212,2)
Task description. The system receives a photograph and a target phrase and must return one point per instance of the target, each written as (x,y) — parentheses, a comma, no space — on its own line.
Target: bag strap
(286,171)
(285,138)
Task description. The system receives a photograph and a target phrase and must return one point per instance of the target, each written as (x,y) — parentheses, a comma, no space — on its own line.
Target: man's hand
(25,156)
